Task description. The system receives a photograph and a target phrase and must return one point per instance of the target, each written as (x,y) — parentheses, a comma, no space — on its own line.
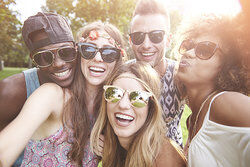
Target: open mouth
(148,54)
(124,118)
(62,75)
(96,70)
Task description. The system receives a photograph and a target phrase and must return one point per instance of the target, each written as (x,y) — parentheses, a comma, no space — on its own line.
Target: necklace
(196,119)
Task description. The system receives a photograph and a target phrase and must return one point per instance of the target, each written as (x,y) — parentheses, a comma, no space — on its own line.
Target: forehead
(150,22)
(124,81)
(101,41)
(208,37)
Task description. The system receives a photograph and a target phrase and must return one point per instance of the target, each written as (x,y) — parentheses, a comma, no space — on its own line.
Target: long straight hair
(76,117)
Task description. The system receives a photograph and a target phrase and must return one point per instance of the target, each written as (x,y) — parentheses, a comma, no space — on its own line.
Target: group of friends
(85,102)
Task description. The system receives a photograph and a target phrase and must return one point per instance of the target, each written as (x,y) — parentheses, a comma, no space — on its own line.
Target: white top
(217,145)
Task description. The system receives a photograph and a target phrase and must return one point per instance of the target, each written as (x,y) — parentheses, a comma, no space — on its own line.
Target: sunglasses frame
(149,94)
(100,50)
(195,46)
(144,36)
(53,55)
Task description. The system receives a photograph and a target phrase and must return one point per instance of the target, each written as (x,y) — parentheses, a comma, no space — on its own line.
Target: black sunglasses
(155,36)
(203,50)
(109,54)
(46,58)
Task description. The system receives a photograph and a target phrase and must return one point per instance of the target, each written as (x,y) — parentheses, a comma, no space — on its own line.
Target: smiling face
(96,70)
(194,71)
(124,118)
(60,72)
(148,51)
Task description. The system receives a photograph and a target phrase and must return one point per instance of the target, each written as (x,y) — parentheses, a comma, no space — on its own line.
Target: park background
(14,56)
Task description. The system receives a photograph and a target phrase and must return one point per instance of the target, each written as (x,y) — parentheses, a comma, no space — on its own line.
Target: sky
(30,7)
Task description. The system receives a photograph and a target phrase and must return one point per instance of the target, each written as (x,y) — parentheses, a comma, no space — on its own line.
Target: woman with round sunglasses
(214,82)
(55,123)
(131,121)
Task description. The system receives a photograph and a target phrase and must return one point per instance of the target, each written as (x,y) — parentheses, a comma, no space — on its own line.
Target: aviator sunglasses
(203,50)
(45,58)
(109,54)
(137,98)
(155,36)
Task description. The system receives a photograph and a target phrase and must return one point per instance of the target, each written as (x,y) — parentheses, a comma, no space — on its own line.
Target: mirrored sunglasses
(46,58)
(203,50)
(109,54)
(155,36)
(137,98)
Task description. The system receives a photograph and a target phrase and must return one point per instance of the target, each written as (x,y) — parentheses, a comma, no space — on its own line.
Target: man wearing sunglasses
(149,39)
(51,44)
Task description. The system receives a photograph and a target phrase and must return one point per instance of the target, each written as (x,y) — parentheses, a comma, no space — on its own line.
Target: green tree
(12,49)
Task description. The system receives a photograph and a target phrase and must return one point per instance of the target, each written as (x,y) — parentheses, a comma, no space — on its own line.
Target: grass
(8,71)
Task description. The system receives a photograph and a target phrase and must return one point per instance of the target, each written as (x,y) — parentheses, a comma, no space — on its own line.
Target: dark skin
(13,89)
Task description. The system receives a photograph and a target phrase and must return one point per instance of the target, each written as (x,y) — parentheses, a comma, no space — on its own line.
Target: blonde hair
(146,145)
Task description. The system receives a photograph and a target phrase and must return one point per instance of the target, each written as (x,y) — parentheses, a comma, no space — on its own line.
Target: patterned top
(52,152)
(171,104)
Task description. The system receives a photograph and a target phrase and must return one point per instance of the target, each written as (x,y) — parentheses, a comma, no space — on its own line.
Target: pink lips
(183,63)
(123,122)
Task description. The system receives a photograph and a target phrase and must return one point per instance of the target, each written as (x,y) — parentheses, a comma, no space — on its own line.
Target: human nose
(146,43)
(189,54)
(98,57)
(58,62)
(124,103)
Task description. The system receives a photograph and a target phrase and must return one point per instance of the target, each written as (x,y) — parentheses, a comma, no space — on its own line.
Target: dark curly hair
(233,74)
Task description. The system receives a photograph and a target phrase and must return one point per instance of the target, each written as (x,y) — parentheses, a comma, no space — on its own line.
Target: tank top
(219,145)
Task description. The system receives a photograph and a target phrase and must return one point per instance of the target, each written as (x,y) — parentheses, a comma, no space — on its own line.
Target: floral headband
(94,34)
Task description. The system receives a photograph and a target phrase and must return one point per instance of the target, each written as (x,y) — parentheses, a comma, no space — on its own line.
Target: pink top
(52,151)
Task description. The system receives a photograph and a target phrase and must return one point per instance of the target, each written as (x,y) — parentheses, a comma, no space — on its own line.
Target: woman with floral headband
(214,81)
(131,121)
(60,120)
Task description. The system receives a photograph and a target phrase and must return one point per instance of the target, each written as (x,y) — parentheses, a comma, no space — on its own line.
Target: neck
(161,67)
(196,97)
(125,142)
(91,93)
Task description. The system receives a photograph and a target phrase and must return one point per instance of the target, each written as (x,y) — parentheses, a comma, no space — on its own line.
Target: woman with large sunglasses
(131,121)
(214,82)
(55,122)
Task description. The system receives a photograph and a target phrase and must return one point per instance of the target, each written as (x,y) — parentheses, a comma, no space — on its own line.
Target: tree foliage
(12,49)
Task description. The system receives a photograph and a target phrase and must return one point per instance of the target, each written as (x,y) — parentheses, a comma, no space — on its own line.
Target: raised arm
(12,98)
(46,100)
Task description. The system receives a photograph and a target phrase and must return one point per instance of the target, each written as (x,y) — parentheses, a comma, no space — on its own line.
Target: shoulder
(174,154)
(50,90)
(232,109)
(12,89)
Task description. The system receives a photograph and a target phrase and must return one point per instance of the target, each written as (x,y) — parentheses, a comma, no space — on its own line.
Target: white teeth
(126,117)
(147,54)
(61,74)
(96,69)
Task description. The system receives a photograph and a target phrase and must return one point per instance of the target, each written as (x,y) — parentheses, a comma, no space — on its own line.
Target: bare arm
(231,109)
(12,98)
(41,104)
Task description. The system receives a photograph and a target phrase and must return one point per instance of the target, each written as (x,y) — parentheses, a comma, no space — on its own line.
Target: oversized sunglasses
(46,58)
(109,54)
(137,98)
(155,36)
(203,50)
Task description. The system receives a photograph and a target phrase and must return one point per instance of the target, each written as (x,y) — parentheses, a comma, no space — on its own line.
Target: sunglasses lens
(43,59)
(67,54)
(156,36)
(138,99)
(186,45)
(113,94)
(87,51)
(137,38)
(205,50)
(110,55)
